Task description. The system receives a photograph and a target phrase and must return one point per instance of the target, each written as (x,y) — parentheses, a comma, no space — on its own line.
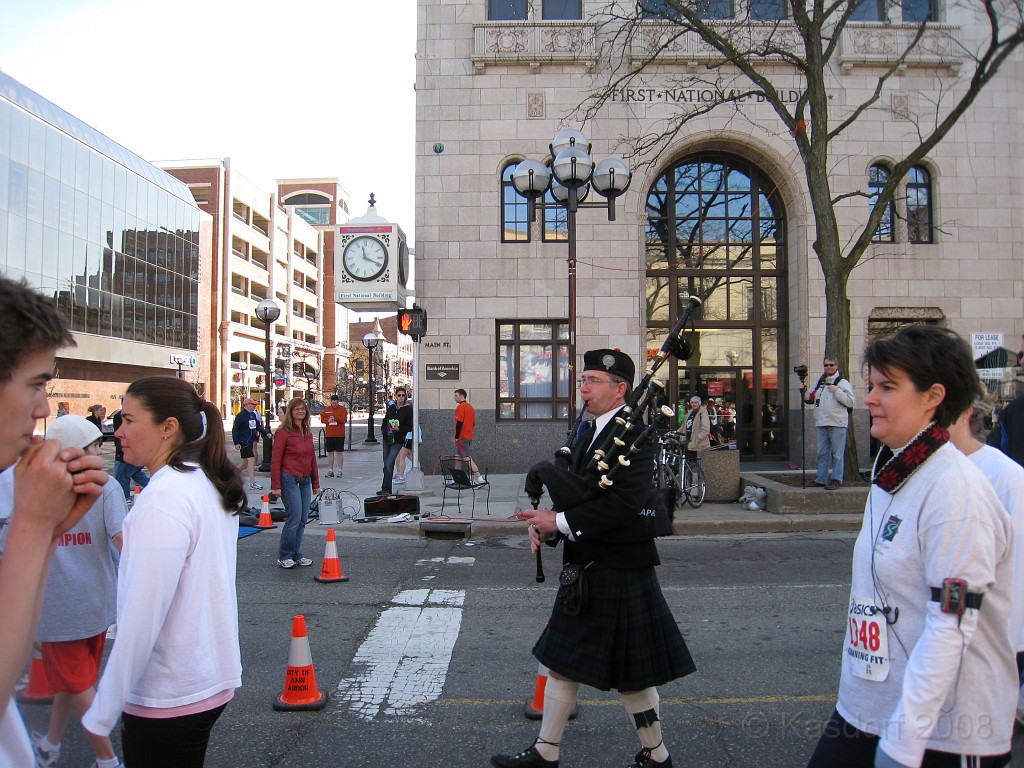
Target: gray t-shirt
(81,589)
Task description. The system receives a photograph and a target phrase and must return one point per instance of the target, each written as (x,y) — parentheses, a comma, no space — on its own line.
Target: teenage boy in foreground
(53,488)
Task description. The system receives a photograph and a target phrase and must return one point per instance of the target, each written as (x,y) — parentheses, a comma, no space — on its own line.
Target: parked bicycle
(674,469)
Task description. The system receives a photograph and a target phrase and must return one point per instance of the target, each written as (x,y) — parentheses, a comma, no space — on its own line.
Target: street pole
(268,442)
(267,312)
(570,224)
(370,436)
(569,178)
(370,341)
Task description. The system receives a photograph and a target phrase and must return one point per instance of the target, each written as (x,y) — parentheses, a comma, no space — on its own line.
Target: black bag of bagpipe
(661,507)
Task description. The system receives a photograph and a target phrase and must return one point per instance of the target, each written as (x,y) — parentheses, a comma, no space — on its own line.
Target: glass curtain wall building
(112,239)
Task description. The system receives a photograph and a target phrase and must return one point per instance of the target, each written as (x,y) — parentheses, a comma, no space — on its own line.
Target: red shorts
(73,666)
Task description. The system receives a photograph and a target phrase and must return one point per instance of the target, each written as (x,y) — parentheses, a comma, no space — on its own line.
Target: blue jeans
(297,494)
(125,474)
(831,450)
(390,454)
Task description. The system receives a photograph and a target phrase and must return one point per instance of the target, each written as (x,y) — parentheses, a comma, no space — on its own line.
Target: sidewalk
(363,474)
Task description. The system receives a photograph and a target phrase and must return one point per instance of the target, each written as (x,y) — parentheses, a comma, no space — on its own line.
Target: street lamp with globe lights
(267,312)
(370,341)
(569,178)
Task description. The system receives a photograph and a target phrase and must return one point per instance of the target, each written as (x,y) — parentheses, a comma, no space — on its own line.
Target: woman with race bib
(928,670)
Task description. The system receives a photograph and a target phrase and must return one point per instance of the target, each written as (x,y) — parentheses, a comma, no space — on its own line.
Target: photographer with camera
(832,398)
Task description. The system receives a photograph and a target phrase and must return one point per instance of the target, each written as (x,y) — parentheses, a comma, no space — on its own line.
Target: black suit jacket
(613,527)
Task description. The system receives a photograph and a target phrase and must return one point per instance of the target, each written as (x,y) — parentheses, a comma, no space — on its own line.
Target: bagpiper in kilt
(617,633)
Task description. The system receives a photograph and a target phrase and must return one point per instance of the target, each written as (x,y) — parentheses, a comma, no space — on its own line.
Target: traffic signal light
(413,322)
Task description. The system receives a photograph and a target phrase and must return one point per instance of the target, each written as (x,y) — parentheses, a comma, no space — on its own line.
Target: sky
(300,88)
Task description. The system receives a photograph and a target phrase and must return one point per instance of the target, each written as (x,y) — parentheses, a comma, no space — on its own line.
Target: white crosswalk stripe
(405,658)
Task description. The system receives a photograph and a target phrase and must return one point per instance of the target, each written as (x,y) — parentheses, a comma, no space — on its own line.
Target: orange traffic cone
(300,691)
(331,571)
(265,520)
(38,689)
(534,709)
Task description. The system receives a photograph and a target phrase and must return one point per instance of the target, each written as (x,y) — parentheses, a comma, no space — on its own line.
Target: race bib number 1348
(867,644)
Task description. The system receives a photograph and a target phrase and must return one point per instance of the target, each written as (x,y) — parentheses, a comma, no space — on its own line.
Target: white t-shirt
(951,681)
(177,611)
(1007,478)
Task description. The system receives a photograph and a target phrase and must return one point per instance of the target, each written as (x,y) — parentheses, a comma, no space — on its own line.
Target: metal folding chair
(458,478)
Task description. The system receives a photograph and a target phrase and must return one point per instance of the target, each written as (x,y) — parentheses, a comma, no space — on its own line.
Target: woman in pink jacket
(294,477)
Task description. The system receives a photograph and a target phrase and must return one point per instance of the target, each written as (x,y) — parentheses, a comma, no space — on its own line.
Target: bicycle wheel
(696,490)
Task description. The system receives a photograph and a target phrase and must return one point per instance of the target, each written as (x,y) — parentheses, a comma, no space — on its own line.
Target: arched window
(314,207)
(878,177)
(716,230)
(919,205)
(515,224)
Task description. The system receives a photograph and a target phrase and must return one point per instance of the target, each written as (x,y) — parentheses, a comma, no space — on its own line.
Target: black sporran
(573,594)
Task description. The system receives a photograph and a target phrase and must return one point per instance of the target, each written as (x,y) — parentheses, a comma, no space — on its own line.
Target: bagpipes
(568,489)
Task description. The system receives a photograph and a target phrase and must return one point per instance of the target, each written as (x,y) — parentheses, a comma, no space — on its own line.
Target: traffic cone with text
(265,520)
(300,691)
(331,572)
(38,689)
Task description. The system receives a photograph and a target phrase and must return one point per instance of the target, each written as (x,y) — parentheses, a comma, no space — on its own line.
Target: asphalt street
(763,616)
(425,651)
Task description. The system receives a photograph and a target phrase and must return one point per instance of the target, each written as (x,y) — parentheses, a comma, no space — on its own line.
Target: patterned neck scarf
(899,466)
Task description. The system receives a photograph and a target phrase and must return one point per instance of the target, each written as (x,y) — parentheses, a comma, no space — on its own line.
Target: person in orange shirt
(465,420)
(334,419)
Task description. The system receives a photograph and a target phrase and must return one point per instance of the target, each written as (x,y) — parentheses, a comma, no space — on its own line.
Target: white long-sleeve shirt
(1007,478)
(950,683)
(177,611)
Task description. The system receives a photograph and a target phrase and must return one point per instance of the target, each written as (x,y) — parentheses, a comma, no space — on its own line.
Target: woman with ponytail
(176,662)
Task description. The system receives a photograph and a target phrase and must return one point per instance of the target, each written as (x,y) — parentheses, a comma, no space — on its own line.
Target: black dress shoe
(528,758)
(643,759)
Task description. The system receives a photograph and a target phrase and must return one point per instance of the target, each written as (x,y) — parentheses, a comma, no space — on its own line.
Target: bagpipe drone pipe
(635,427)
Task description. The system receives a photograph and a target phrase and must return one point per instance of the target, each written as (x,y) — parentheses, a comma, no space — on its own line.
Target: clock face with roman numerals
(365,258)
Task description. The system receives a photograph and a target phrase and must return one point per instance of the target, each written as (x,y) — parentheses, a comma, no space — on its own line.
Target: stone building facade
(720,211)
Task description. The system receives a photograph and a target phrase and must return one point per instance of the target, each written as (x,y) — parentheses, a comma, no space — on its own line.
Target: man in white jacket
(832,397)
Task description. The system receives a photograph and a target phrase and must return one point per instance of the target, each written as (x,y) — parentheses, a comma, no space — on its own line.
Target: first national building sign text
(697,96)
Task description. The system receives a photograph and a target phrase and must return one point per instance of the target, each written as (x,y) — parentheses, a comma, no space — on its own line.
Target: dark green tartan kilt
(626,640)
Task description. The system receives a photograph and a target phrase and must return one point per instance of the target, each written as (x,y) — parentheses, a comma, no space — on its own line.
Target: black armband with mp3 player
(953,597)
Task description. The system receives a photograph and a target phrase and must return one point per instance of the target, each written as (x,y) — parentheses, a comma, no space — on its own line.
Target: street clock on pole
(371,263)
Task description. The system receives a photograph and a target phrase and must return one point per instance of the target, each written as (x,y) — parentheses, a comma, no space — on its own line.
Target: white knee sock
(643,709)
(559,701)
